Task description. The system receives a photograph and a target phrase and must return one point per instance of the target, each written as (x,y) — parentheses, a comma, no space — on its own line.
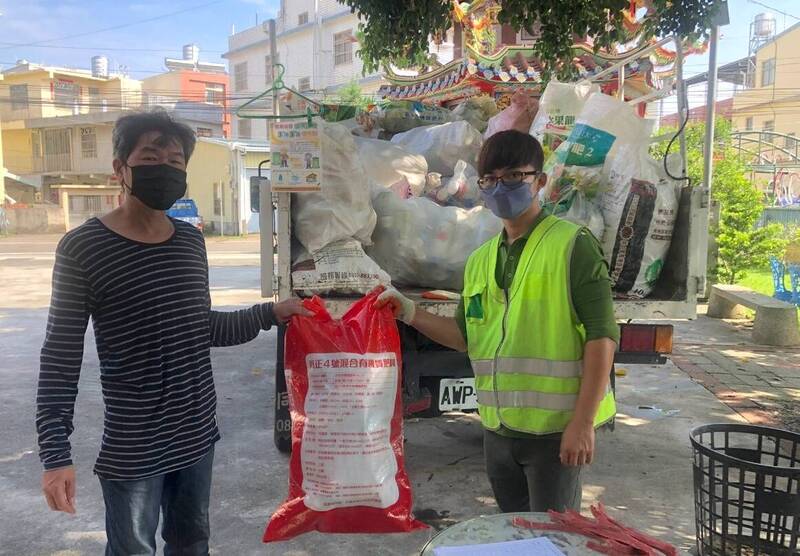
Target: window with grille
(94,99)
(85,203)
(92,203)
(215,92)
(343,48)
(245,131)
(768,72)
(268,68)
(88,142)
(204,132)
(304,84)
(19,97)
(240,76)
(748,124)
(769,125)
(302,19)
(791,141)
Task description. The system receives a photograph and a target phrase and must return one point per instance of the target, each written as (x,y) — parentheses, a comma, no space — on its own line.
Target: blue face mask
(508,200)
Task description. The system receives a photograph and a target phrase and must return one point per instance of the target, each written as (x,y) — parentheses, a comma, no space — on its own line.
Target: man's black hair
(509,149)
(129,129)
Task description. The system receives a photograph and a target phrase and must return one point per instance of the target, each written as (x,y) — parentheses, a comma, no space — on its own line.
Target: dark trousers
(132,511)
(527,476)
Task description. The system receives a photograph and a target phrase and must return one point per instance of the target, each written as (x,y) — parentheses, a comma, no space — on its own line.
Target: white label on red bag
(347,457)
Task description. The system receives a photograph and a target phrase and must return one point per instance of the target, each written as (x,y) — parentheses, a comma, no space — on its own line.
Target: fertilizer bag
(639,210)
(559,107)
(346,470)
(341,267)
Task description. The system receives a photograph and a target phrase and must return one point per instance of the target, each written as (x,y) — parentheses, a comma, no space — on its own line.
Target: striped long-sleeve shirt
(151,311)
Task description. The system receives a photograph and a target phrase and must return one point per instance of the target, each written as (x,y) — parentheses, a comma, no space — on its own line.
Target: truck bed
(338,304)
(675,294)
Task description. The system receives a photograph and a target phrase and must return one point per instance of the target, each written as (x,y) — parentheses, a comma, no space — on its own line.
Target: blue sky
(203,22)
(51,22)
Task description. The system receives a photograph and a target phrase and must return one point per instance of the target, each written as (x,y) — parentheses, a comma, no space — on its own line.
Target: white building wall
(295,52)
(289,12)
(103,162)
(332,74)
(255,57)
(306,51)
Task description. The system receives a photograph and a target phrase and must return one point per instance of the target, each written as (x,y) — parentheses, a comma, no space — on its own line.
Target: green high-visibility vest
(526,344)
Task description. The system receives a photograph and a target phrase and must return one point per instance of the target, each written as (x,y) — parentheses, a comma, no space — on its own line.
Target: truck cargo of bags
(342,209)
(559,108)
(519,115)
(606,153)
(639,209)
(442,145)
(341,267)
(422,244)
(387,164)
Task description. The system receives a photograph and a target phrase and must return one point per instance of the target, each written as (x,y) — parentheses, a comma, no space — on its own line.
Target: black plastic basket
(746,490)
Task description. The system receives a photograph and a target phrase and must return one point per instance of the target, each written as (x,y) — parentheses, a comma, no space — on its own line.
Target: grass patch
(760,281)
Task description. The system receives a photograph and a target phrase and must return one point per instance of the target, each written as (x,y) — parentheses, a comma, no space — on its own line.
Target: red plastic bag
(346,471)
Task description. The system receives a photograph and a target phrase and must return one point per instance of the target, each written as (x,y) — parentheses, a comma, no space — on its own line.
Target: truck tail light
(645,338)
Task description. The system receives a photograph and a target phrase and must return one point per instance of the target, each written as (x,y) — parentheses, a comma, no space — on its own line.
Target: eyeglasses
(490,182)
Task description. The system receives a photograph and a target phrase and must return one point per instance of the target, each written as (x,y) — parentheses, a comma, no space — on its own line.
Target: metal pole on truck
(721,18)
(683,108)
(284,200)
(266,226)
(708,144)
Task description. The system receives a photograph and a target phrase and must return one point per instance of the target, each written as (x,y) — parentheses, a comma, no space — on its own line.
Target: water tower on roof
(99,66)
(762,29)
(191,53)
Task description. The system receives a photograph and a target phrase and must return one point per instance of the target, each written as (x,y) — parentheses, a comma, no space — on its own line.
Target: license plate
(457,394)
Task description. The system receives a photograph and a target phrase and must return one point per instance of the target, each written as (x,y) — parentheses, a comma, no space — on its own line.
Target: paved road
(643,471)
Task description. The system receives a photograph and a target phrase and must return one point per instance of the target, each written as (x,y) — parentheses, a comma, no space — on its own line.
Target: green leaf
(398,32)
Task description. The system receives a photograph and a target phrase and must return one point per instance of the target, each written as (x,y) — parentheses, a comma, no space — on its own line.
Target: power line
(774,9)
(102,48)
(115,27)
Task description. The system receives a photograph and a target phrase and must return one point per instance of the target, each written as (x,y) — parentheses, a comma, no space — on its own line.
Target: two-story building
(195,91)
(56,131)
(317,47)
(772,102)
(316,43)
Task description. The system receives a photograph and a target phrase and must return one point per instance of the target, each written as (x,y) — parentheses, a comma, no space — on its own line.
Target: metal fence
(787,216)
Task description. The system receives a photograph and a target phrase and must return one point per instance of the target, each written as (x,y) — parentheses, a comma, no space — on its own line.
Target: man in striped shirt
(143,279)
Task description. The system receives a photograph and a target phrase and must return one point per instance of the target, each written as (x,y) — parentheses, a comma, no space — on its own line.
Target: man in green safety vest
(537,320)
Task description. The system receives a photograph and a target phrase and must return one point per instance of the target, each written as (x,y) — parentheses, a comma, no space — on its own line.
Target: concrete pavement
(642,473)
(761,383)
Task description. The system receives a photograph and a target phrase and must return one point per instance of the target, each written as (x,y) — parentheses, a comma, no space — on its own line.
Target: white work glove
(403,308)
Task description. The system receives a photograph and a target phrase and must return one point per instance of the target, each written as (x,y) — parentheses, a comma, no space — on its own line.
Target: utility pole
(720,19)
(273,53)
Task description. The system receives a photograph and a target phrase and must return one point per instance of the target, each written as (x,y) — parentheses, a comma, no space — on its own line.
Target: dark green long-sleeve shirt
(590,288)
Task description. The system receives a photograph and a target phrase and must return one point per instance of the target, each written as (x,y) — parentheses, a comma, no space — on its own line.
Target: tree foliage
(399,32)
(352,95)
(740,244)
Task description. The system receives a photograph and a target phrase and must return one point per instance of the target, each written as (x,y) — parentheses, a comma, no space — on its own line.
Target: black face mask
(158,185)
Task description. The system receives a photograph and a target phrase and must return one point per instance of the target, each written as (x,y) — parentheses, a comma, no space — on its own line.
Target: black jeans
(132,511)
(527,476)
